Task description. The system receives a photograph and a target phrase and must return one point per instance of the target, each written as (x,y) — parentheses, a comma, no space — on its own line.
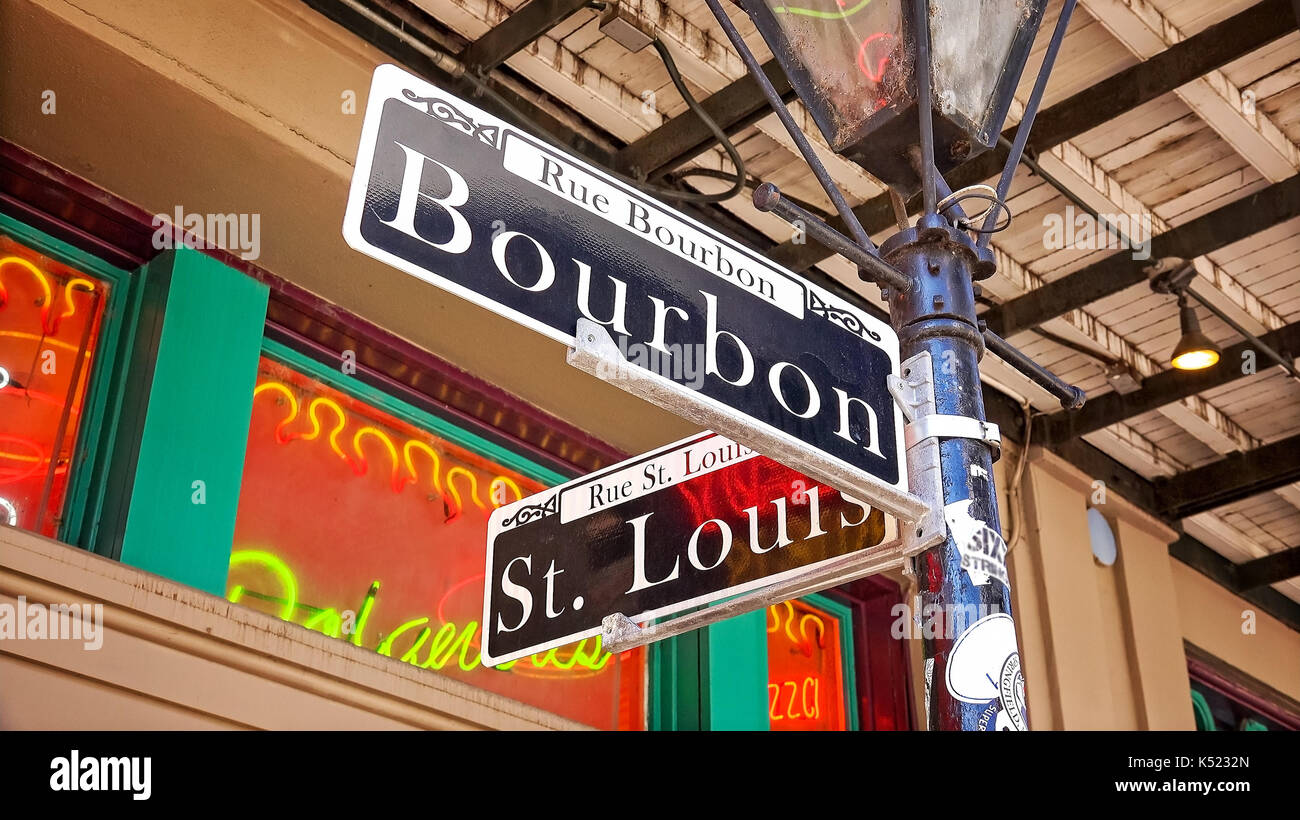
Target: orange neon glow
(806,688)
(413,477)
(502,481)
(47,294)
(293,406)
(31,462)
(455,494)
(362,465)
(398,480)
(41,337)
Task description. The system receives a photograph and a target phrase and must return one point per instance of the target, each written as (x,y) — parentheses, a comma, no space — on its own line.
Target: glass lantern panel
(972,42)
(852,53)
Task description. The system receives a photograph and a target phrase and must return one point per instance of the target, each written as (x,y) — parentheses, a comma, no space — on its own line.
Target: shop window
(1216,711)
(366,520)
(809,656)
(51,322)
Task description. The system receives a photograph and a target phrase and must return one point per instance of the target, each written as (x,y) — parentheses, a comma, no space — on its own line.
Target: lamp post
(909,89)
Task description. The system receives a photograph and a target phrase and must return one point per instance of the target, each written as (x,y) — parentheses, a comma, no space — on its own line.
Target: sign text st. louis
(452,195)
(682,526)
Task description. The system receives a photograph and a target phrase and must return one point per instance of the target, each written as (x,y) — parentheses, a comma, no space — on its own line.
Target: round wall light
(1102,538)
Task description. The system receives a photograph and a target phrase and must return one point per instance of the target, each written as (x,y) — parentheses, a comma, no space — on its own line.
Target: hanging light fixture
(1195,350)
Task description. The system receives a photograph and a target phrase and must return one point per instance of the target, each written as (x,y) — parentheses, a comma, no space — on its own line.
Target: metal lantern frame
(926,271)
(880,142)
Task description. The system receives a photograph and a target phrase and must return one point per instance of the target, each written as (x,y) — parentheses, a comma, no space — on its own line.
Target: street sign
(454,196)
(682,526)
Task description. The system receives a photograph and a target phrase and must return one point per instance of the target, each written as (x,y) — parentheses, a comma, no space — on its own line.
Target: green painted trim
(84,495)
(844,614)
(392,405)
(195,426)
(735,657)
(1201,710)
(675,693)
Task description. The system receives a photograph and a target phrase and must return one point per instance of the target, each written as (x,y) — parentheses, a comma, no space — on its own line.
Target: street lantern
(851,62)
(852,65)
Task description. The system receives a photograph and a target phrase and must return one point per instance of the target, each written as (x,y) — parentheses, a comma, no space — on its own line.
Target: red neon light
(805,668)
(34,460)
(875,70)
(453,495)
(47,294)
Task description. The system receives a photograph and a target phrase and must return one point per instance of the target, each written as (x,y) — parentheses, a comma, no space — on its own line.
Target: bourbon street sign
(456,197)
(696,521)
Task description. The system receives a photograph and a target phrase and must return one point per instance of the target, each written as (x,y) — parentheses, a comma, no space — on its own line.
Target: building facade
(263,463)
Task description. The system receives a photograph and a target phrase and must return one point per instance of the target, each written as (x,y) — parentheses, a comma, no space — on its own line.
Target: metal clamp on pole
(940,426)
(914,394)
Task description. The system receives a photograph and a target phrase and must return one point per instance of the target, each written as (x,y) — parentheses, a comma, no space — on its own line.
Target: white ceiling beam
(711,63)
(1145,31)
(1101,191)
(559,71)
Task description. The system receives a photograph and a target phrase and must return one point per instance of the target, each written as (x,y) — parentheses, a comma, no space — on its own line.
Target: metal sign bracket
(620,633)
(919,513)
(914,393)
(595,352)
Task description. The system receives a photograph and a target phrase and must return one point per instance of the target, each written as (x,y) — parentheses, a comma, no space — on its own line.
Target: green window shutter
(713,678)
(179,458)
(737,667)
(1201,709)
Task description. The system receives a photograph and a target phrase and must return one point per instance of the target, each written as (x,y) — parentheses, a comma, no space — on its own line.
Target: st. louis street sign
(696,521)
(452,195)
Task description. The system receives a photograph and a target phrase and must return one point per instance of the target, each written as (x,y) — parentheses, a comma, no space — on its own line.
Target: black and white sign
(696,521)
(460,199)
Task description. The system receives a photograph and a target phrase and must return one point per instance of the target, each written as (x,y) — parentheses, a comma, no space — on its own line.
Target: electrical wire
(738,184)
(1015,529)
(458,70)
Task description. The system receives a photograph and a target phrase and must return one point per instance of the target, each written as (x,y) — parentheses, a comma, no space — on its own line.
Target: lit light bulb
(1196,360)
(4,378)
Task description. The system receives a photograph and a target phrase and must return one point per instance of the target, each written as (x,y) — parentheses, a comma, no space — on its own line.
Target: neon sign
(805,668)
(47,298)
(824,15)
(43,380)
(497,488)
(364,527)
(451,640)
(873,55)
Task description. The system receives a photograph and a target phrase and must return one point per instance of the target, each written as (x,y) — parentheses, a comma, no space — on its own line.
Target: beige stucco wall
(1103,647)
(235,106)
(172,657)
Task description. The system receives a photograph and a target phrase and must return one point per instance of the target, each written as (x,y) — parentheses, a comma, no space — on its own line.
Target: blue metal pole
(972,664)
